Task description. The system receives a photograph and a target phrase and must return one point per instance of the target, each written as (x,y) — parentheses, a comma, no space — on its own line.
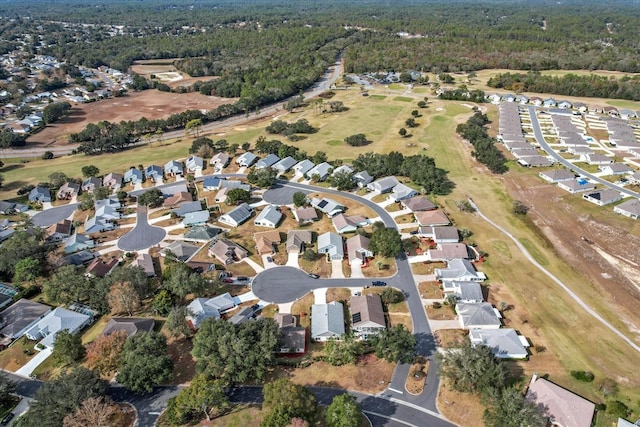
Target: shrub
(617,409)
(48,155)
(584,376)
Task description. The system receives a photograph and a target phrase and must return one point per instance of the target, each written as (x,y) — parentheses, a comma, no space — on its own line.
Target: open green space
(403,99)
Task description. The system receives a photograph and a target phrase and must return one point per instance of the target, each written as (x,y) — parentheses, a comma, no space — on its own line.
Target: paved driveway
(143,235)
(280,195)
(53,215)
(292,259)
(336,269)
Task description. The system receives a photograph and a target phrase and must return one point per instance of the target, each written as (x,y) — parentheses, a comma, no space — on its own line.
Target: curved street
(143,235)
(53,215)
(557,281)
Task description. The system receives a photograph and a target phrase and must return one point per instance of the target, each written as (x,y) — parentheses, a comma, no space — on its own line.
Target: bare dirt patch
(417,377)
(462,408)
(151,104)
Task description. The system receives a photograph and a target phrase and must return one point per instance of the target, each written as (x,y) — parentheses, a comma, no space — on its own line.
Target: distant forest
(266,50)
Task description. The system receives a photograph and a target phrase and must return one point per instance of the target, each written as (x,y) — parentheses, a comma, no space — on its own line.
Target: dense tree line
(463,94)
(627,87)
(484,148)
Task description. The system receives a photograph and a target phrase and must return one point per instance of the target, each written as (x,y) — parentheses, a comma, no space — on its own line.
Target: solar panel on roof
(355,318)
(322,204)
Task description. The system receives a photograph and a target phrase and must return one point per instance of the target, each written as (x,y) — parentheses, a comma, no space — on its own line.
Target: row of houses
(511,135)
(367,318)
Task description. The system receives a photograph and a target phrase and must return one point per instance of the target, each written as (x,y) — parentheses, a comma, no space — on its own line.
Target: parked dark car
(242,279)
(269,259)
(7,418)
(227,280)
(378,283)
(414,232)
(314,276)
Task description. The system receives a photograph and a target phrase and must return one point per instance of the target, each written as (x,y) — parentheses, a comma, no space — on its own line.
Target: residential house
(612,111)
(68,191)
(615,169)
(237,216)
(564,104)
(522,99)
(358,252)
(302,167)
(446,234)
(5,300)
(40,194)
(383,185)
(220,160)
(285,164)
(342,169)
(6,208)
(305,215)
(195,164)
(418,203)
(494,98)
(268,161)
(145,262)
(348,224)
(321,171)
(327,321)
(20,317)
(99,268)
(133,175)
(97,224)
(401,192)
(178,198)
(331,244)
(449,251)
(192,219)
(536,161)
(508,97)
(428,219)
(549,102)
(211,183)
(464,291)
(130,325)
(181,251)
(327,206)
(580,106)
(173,168)
(242,316)
(203,308)
(266,241)
(154,172)
(362,179)
(269,217)
(633,179)
(478,316)
(367,315)
(221,195)
(624,423)
(227,251)
(536,101)
(602,197)
(90,184)
(297,240)
(6,233)
(55,321)
(247,159)
(596,159)
(77,242)
(557,175)
(459,270)
(630,209)
(59,231)
(504,343)
(577,185)
(559,405)
(201,233)
(113,181)
(293,338)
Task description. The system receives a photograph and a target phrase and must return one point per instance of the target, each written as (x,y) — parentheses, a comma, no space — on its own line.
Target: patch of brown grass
(14,357)
(430,290)
(388,267)
(302,309)
(445,312)
(338,294)
(417,377)
(461,408)
(426,267)
(448,338)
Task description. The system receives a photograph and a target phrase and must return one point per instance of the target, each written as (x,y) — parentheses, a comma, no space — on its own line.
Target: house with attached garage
(549,102)
(98,224)
(367,315)
(133,175)
(247,159)
(177,199)
(557,175)
(303,167)
(154,173)
(192,219)
(342,169)
(577,185)
(564,104)
(504,343)
(237,216)
(358,251)
(20,317)
(293,338)
(401,192)
(464,291)
(362,179)
(195,164)
(449,251)
(130,325)
(212,183)
(615,169)
(348,224)
(602,197)
(297,240)
(77,242)
(8,208)
(305,215)
(145,262)
(459,270)
(418,203)
(327,321)
(268,161)
(180,251)
(630,209)
(269,217)
(227,252)
(68,191)
(266,241)
(478,316)
(321,171)
(187,207)
(90,184)
(59,231)
(596,159)
(220,160)
(560,406)
(445,234)
(428,219)
(40,194)
(331,245)
(113,181)
(204,308)
(173,168)
(327,206)
(284,164)
(383,185)
(55,321)
(201,233)
(99,268)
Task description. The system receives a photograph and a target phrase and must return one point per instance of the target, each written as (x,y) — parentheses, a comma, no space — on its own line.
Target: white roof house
(56,321)
(630,209)
(383,185)
(401,192)
(327,206)
(268,161)
(195,164)
(557,175)
(269,217)
(247,159)
(478,316)
(327,321)
(284,164)
(459,270)
(362,178)
(173,167)
(303,167)
(322,170)
(602,197)
(343,168)
(505,343)
(220,159)
(464,291)
(77,242)
(358,249)
(237,216)
(331,244)
(203,308)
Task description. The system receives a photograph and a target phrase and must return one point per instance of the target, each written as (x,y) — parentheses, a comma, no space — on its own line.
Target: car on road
(7,418)
(242,279)
(227,280)
(314,276)
(378,283)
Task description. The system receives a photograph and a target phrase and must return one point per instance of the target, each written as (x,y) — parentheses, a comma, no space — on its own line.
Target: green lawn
(403,99)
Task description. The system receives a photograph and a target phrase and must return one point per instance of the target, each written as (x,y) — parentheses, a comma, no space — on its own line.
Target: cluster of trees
(290,129)
(484,148)
(385,242)
(476,370)
(627,87)
(54,111)
(8,139)
(461,93)
(422,170)
(357,140)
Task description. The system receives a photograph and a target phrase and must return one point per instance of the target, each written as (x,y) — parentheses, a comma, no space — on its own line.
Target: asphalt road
(280,195)
(537,132)
(143,235)
(53,215)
